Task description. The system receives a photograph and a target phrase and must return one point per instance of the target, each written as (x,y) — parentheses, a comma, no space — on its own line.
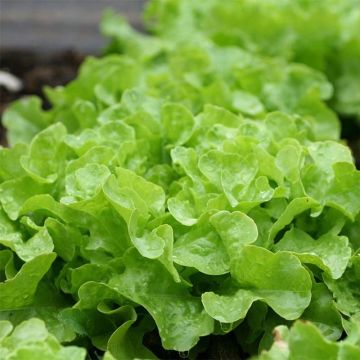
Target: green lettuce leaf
(304,340)
(170,304)
(277,279)
(329,252)
(18,289)
(31,340)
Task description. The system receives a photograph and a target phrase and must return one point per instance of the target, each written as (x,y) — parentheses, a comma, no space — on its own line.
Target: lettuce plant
(183,186)
(320,34)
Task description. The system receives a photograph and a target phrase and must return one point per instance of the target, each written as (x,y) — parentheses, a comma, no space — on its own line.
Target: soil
(350,132)
(36,70)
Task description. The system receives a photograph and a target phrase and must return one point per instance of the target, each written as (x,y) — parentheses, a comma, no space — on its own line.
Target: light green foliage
(235,229)
(190,182)
(298,31)
(18,288)
(147,284)
(304,341)
(25,119)
(329,252)
(31,340)
(277,279)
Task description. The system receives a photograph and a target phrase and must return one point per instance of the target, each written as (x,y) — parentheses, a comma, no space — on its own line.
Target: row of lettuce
(190,182)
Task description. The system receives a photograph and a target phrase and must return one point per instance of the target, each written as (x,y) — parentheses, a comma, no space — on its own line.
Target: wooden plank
(48,25)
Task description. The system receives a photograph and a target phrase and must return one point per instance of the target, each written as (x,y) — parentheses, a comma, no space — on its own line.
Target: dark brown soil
(213,347)
(350,131)
(36,70)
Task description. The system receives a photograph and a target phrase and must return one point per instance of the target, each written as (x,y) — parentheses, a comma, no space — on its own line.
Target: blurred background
(43,42)
(52,25)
